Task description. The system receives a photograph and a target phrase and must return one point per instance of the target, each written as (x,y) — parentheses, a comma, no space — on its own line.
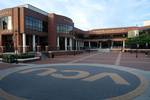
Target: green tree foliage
(142,39)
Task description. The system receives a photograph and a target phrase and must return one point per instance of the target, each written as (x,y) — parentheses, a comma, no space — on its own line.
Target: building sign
(70,82)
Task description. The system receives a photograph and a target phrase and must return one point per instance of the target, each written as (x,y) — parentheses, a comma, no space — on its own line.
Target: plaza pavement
(112,58)
(126,62)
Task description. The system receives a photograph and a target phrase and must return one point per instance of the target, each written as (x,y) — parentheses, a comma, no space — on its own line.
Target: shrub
(25,55)
(0,55)
(11,58)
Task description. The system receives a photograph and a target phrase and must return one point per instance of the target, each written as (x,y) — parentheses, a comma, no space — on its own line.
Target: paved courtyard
(88,76)
(113,58)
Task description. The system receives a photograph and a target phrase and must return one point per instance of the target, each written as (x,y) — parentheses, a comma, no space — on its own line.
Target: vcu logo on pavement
(70,82)
(83,75)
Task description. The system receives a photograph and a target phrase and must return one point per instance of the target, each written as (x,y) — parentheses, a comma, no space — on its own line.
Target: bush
(0,55)
(9,58)
(12,58)
(25,55)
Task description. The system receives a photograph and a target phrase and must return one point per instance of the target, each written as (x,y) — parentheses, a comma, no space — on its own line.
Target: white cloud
(89,14)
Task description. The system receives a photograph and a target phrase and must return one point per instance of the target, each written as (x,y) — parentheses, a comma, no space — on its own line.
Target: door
(7,42)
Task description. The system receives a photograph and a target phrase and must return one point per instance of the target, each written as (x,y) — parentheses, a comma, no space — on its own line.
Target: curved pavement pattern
(73,82)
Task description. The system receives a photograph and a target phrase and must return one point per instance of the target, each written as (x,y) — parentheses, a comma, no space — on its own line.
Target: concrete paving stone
(126,61)
(114,83)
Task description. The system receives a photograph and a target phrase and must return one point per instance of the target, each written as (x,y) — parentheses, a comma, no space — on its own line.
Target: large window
(35,24)
(6,23)
(120,36)
(63,28)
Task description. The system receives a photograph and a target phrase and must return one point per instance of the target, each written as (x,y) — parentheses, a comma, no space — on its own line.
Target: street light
(146,52)
(146,45)
(137,46)
(74,45)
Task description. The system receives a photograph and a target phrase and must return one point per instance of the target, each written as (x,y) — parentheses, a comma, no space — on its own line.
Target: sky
(93,14)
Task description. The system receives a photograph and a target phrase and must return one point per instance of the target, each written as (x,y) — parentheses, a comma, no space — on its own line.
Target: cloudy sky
(90,14)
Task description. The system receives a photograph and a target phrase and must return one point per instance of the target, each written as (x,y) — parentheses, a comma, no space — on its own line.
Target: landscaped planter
(12,58)
(28,59)
(9,58)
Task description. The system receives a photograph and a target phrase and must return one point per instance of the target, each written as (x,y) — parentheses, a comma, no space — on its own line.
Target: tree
(143,40)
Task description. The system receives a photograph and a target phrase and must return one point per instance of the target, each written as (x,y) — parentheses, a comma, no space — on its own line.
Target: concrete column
(38,48)
(79,45)
(100,45)
(76,45)
(24,42)
(123,45)
(46,48)
(112,44)
(70,43)
(82,44)
(65,43)
(33,43)
(58,43)
(97,44)
(89,44)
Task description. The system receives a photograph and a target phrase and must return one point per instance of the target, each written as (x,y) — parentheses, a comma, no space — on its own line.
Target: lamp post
(137,46)
(74,46)
(146,52)
(146,45)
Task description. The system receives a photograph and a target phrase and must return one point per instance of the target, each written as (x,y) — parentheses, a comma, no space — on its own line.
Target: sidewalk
(6,65)
(125,59)
(111,58)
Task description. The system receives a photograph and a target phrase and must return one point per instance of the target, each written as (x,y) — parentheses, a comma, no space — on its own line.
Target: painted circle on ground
(71,82)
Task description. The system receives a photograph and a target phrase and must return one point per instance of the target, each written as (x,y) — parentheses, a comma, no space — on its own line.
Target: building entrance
(7,42)
(62,43)
(106,44)
(94,45)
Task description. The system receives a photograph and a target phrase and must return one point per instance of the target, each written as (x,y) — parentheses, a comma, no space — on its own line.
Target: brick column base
(1,49)
(46,48)
(38,48)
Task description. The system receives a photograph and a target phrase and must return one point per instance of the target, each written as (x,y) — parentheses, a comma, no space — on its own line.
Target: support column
(79,44)
(76,45)
(24,42)
(70,43)
(123,46)
(100,45)
(112,44)
(33,43)
(65,43)
(89,45)
(97,44)
(1,47)
(58,43)
(82,45)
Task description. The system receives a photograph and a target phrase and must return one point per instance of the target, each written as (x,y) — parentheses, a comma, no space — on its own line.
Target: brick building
(27,28)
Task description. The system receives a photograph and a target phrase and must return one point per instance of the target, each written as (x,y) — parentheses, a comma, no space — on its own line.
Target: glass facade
(120,35)
(35,24)
(63,28)
(6,23)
